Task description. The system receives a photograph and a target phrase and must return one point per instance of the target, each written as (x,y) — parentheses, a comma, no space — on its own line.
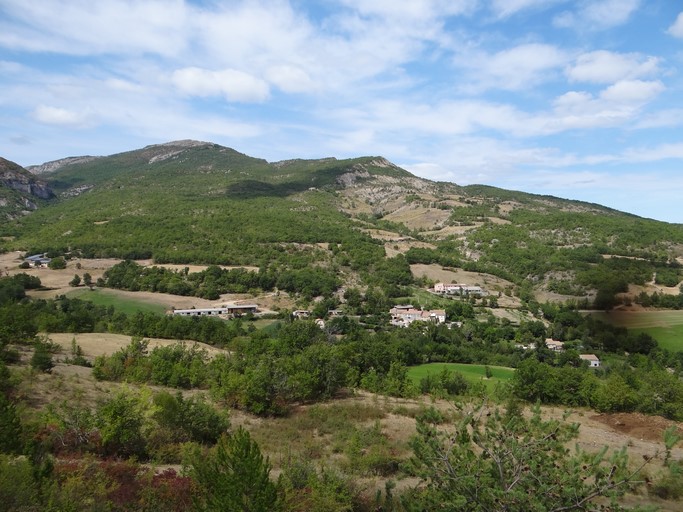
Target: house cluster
(38,261)
(558,346)
(463,290)
(403,316)
(232,310)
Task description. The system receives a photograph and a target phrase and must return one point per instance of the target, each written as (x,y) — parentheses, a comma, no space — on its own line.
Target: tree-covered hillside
(195,202)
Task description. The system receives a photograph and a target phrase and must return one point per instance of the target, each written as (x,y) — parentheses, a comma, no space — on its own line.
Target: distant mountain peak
(184,143)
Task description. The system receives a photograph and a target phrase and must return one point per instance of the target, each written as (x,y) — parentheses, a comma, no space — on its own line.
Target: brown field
(97,344)
(418,217)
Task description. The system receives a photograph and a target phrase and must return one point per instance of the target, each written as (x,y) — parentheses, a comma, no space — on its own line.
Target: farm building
(37,260)
(234,310)
(459,289)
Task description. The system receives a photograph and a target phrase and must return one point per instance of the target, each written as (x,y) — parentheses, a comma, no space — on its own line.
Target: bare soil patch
(98,344)
(418,217)
(401,247)
(452,230)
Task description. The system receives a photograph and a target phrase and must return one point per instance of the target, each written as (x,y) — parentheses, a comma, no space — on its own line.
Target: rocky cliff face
(26,188)
(48,167)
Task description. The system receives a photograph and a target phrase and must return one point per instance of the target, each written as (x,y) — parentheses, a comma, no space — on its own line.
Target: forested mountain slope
(197,202)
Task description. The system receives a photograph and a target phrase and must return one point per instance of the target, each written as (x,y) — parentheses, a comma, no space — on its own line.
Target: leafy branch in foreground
(504,461)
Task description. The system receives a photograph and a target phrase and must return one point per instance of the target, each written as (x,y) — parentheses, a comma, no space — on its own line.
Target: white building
(234,310)
(403,316)
(592,359)
(458,289)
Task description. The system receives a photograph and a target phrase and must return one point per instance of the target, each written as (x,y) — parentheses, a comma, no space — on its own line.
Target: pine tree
(235,477)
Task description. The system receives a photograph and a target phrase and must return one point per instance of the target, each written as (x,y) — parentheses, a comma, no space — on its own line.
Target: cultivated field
(474,373)
(666,326)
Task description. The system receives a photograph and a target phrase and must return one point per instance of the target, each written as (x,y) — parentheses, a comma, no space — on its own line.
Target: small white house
(593,361)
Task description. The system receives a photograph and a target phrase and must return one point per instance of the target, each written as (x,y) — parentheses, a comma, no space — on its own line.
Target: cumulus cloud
(413,10)
(290,78)
(518,67)
(632,92)
(613,106)
(86,28)
(676,29)
(233,84)
(59,116)
(597,14)
(603,66)
(506,8)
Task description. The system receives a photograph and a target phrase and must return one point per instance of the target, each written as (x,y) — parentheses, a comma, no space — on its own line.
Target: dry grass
(97,344)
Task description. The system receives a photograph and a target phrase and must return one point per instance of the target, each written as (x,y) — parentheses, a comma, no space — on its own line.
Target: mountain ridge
(197,202)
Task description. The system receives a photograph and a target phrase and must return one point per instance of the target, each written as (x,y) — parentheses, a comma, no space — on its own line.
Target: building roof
(589,357)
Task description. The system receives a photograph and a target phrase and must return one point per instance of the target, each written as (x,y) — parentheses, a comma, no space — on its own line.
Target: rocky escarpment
(58,164)
(17,178)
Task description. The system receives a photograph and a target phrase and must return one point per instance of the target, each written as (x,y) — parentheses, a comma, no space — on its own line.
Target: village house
(593,361)
(554,345)
(403,316)
(462,290)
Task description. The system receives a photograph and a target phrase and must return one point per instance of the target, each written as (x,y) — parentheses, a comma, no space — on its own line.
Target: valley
(345,400)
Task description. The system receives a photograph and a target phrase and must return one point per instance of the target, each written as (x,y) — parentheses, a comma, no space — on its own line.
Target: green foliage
(10,426)
(42,357)
(121,422)
(57,263)
(305,489)
(191,419)
(496,461)
(235,476)
(76,281)
(18,489)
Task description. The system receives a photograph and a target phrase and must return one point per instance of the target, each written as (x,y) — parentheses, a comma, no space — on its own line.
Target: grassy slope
(103,297)
(474,373)
(664,325)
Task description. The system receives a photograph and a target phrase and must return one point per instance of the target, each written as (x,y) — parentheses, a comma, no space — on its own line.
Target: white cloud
(515,68)
(597,14)
(59,116)
(506,8)
(233,84)
(81,27)
(632,92)
(290,78)
(660,119)
(676,29)
(413,10)
(655,154)
(602,66)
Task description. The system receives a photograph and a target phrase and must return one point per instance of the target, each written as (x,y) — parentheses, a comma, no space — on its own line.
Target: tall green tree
(235,477)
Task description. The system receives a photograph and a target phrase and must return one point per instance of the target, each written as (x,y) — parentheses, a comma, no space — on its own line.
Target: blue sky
(581,99)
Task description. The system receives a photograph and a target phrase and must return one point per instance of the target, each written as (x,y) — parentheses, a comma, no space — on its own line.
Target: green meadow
(103,297)
(474,373)
(666,326)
